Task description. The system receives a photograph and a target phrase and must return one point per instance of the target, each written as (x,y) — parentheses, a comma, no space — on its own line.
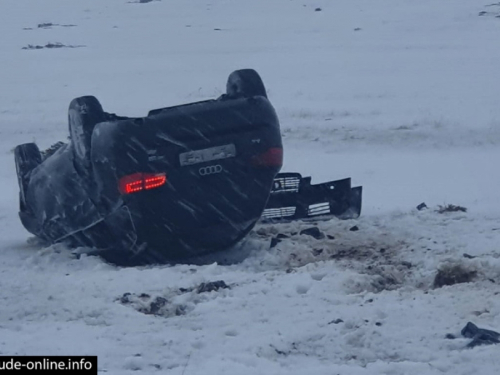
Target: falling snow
(400,96)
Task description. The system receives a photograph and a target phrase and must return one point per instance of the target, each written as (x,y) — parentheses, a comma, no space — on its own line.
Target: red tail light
(271,158)
(154,181)
(141,181)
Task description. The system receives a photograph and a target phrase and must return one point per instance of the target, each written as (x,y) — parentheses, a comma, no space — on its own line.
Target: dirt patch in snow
(51,46)
(410,249)
(453,274)
(371,252)
(451,208)
(168,303)
(493,10)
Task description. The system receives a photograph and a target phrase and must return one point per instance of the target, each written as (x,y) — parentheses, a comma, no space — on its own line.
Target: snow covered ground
(402,96)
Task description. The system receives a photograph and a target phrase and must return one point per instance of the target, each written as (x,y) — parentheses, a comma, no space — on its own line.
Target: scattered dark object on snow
(51,45)
(450,336)
(341,254)
(294,197)
(384,282)
(211,286)
(357,29)
(317,252)
(451,275)
(406,264)
(274,242)
(206,287)
(479,336)
(465,255)
(277,239)
(481,312)
(181,182)
(378,324)
(313,232)
(451,208)
(279,352)
(421,206)
(161,306)
(156,305)
(125,298)
(354,228)
(495,13)
(336,321)
(49,25)
(318,10)
(330,237)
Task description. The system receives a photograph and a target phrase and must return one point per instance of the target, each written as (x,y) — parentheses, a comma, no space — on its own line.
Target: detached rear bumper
(293,197)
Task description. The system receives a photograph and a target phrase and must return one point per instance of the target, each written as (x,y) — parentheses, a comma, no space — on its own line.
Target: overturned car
(181,182)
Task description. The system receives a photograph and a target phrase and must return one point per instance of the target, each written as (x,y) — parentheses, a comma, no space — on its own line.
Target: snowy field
(402,96)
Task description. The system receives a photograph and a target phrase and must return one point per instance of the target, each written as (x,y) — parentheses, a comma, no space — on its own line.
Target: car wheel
(245,83)
(27,156)
(84,113)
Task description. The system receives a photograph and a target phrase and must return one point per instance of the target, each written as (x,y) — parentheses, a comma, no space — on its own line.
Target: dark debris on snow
(313,232)
(51,46)
(451,208)
(451,275)
(479,336)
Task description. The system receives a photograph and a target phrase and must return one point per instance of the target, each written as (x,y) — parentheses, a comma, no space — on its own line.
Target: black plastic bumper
(294,197)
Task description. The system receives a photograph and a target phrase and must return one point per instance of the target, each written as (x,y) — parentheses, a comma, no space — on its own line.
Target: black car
(180,182)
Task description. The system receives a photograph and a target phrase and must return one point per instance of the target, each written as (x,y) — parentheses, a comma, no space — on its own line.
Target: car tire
(27,157)
(83,115)
(245,83)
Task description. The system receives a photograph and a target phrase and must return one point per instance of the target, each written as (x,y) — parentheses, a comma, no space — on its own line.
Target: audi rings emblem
(211,169)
